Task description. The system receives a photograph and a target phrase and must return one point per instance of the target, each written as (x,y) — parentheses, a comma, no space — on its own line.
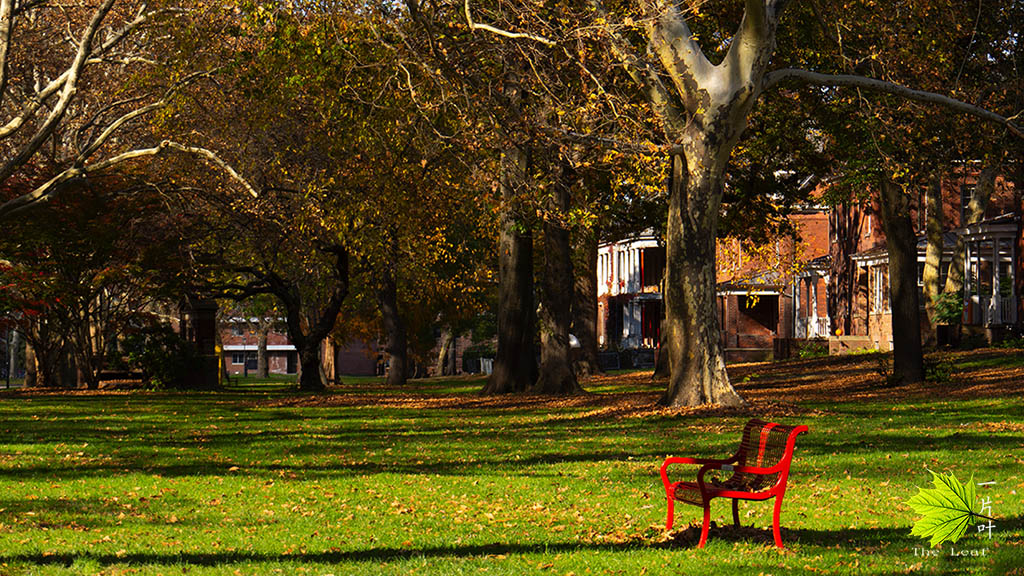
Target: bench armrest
(680,460)
(743,469)
(735,469)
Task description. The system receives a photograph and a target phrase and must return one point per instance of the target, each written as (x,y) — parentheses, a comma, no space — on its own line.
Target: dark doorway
(251,361)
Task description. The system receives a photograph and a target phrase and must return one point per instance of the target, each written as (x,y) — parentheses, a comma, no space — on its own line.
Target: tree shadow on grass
(347,460)
(863,540)
(384,554)
(851,538)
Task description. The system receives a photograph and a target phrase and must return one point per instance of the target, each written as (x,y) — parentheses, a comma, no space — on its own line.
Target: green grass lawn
(434,480)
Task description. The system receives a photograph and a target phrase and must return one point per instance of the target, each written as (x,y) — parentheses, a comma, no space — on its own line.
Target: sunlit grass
(259,481)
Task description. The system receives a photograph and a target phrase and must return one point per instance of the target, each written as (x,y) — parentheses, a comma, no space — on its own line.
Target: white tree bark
(96,44)
(68,90)
(46,191)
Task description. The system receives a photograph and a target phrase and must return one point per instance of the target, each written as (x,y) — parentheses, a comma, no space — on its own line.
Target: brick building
(993,267)
(755,296)
(839,289)
(240,348)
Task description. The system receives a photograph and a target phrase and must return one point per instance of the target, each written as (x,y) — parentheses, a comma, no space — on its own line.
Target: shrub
(939,370)
(973,341)
(1014,342)
(162,354)
(813,349)
(949,308)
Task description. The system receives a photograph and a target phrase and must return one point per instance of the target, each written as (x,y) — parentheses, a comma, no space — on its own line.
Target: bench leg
(671,515)
(736,512)
(704,528)
(775,521)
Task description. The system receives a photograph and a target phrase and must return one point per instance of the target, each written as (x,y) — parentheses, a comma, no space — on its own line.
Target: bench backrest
(764,445)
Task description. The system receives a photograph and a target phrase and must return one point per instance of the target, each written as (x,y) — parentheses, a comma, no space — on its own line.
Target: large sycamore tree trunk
(85,355)
(695,356)
(703,109)
(908,358)
(584,303)
(395,338)
(515,362)
(309,367)
(31,374)
(556,373)
(43,358)
(441,367)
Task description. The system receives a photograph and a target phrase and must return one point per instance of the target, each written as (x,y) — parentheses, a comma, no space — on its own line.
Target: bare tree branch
(109,130)
(487,28)
(6,32)
(67,93)
(814,78)
(49,189)
(33,105)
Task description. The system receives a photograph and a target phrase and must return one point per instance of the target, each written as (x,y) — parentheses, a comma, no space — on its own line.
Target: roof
(251,347)
(880,254)
(1002,224)
(645,236)
(816,265)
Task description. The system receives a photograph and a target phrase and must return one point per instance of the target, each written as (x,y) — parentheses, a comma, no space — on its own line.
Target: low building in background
(240,353)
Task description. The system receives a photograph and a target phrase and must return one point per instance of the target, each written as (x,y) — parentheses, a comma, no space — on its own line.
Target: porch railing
(813,327)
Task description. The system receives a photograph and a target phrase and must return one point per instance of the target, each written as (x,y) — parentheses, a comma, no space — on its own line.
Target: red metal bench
(759,471)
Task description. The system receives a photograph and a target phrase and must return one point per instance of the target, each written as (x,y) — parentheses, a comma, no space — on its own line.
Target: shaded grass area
(434,479)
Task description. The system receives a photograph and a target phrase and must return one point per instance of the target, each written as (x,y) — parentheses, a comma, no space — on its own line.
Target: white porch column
(965,296)
(797,319)
(1013,282)
(996,306)
(814,305)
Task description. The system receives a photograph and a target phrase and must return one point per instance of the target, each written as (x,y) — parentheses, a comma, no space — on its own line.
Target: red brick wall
(814,233)
(228,338)
(277,363)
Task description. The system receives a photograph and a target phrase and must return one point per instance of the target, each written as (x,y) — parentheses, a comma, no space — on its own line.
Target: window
(966,195)
(237,329)
(879,289)
(238,358)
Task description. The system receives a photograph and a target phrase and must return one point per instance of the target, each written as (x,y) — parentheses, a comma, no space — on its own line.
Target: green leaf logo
(947,510)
